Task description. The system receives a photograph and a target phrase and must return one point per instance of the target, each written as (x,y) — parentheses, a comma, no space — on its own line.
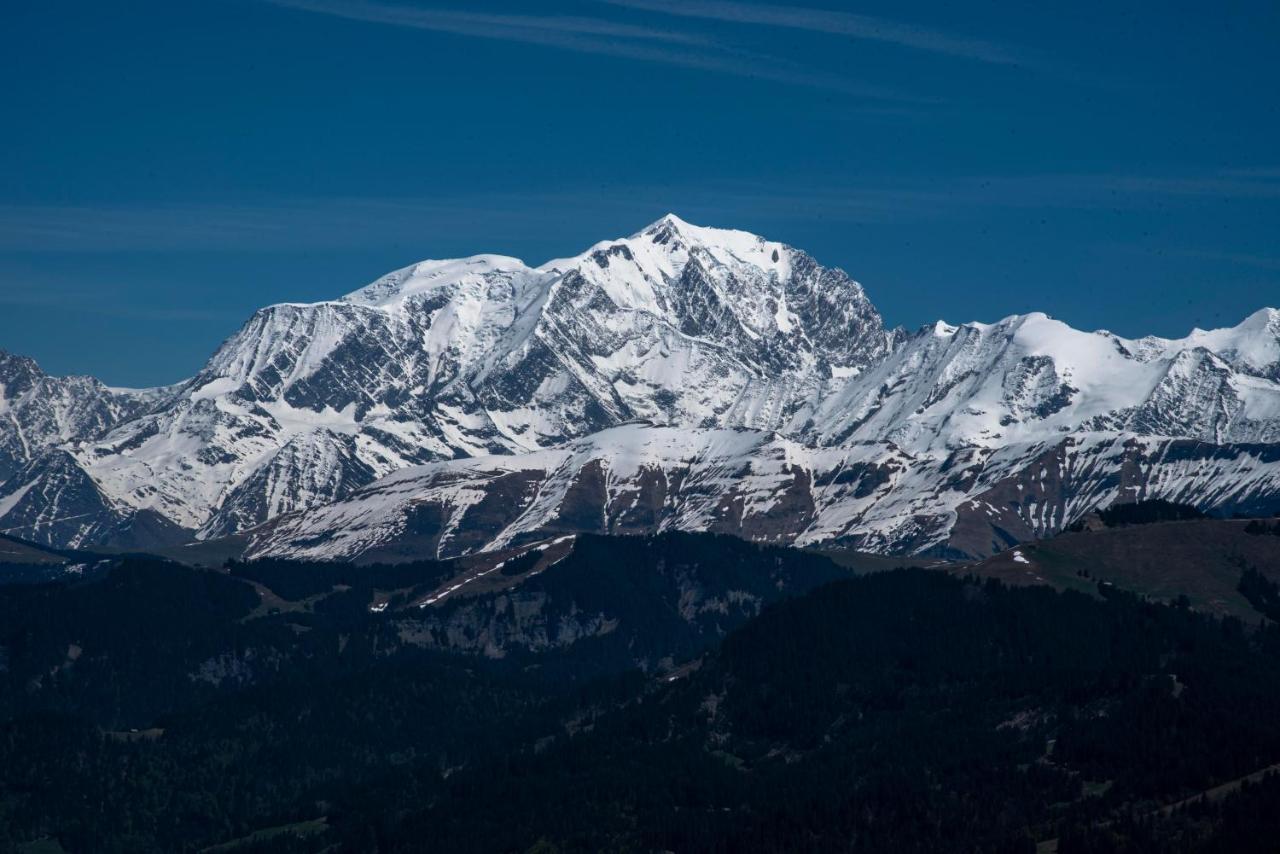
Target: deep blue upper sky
(170,166)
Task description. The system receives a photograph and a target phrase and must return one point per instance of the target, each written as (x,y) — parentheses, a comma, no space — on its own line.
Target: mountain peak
(669,220)
(1252,344)
(433,275)
(1264,318)
(744,246)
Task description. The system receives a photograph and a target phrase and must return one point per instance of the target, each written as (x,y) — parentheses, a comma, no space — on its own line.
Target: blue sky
(168,167)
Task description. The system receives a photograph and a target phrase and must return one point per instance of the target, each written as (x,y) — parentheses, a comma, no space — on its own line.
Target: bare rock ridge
(682,378)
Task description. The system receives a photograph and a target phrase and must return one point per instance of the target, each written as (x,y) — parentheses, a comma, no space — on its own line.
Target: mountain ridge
(679,326)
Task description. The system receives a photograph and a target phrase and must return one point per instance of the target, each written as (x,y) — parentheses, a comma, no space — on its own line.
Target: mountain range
(683,378)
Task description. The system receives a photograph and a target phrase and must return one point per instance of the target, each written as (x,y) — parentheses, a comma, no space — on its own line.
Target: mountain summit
(489,385)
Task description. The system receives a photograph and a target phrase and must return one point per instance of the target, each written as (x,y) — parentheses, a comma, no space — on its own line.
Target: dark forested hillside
(150,637)
(906,712)
(684,693)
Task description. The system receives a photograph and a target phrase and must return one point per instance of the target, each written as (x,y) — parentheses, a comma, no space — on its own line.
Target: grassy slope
(865,562)
(1202,559)
(15,551)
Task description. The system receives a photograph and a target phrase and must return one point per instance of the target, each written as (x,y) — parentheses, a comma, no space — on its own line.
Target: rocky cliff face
(640,479)
(652,602)
(39,412)
(778,407)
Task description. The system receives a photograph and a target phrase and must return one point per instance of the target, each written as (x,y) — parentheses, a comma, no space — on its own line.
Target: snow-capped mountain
(40,412)
(637,479)
(495,401)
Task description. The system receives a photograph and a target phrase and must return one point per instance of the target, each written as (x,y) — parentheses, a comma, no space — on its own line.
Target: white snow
(426,277)
(215,388)
(11,500)
(1255,341)
(706,333)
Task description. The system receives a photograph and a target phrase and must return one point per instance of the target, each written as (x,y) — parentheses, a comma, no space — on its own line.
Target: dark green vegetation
(685,693)
(1143,513)
(1200,559)
(1263,527)
(1262,593)
(22,562)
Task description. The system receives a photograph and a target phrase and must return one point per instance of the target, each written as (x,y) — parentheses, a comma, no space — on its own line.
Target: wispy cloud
(833,22)
(1260,172)
(538,29)
(600,37)
(1242,259)
(252,225)
(304,224)
(338,224)
(96,302)
(294,224)
(1225,185)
